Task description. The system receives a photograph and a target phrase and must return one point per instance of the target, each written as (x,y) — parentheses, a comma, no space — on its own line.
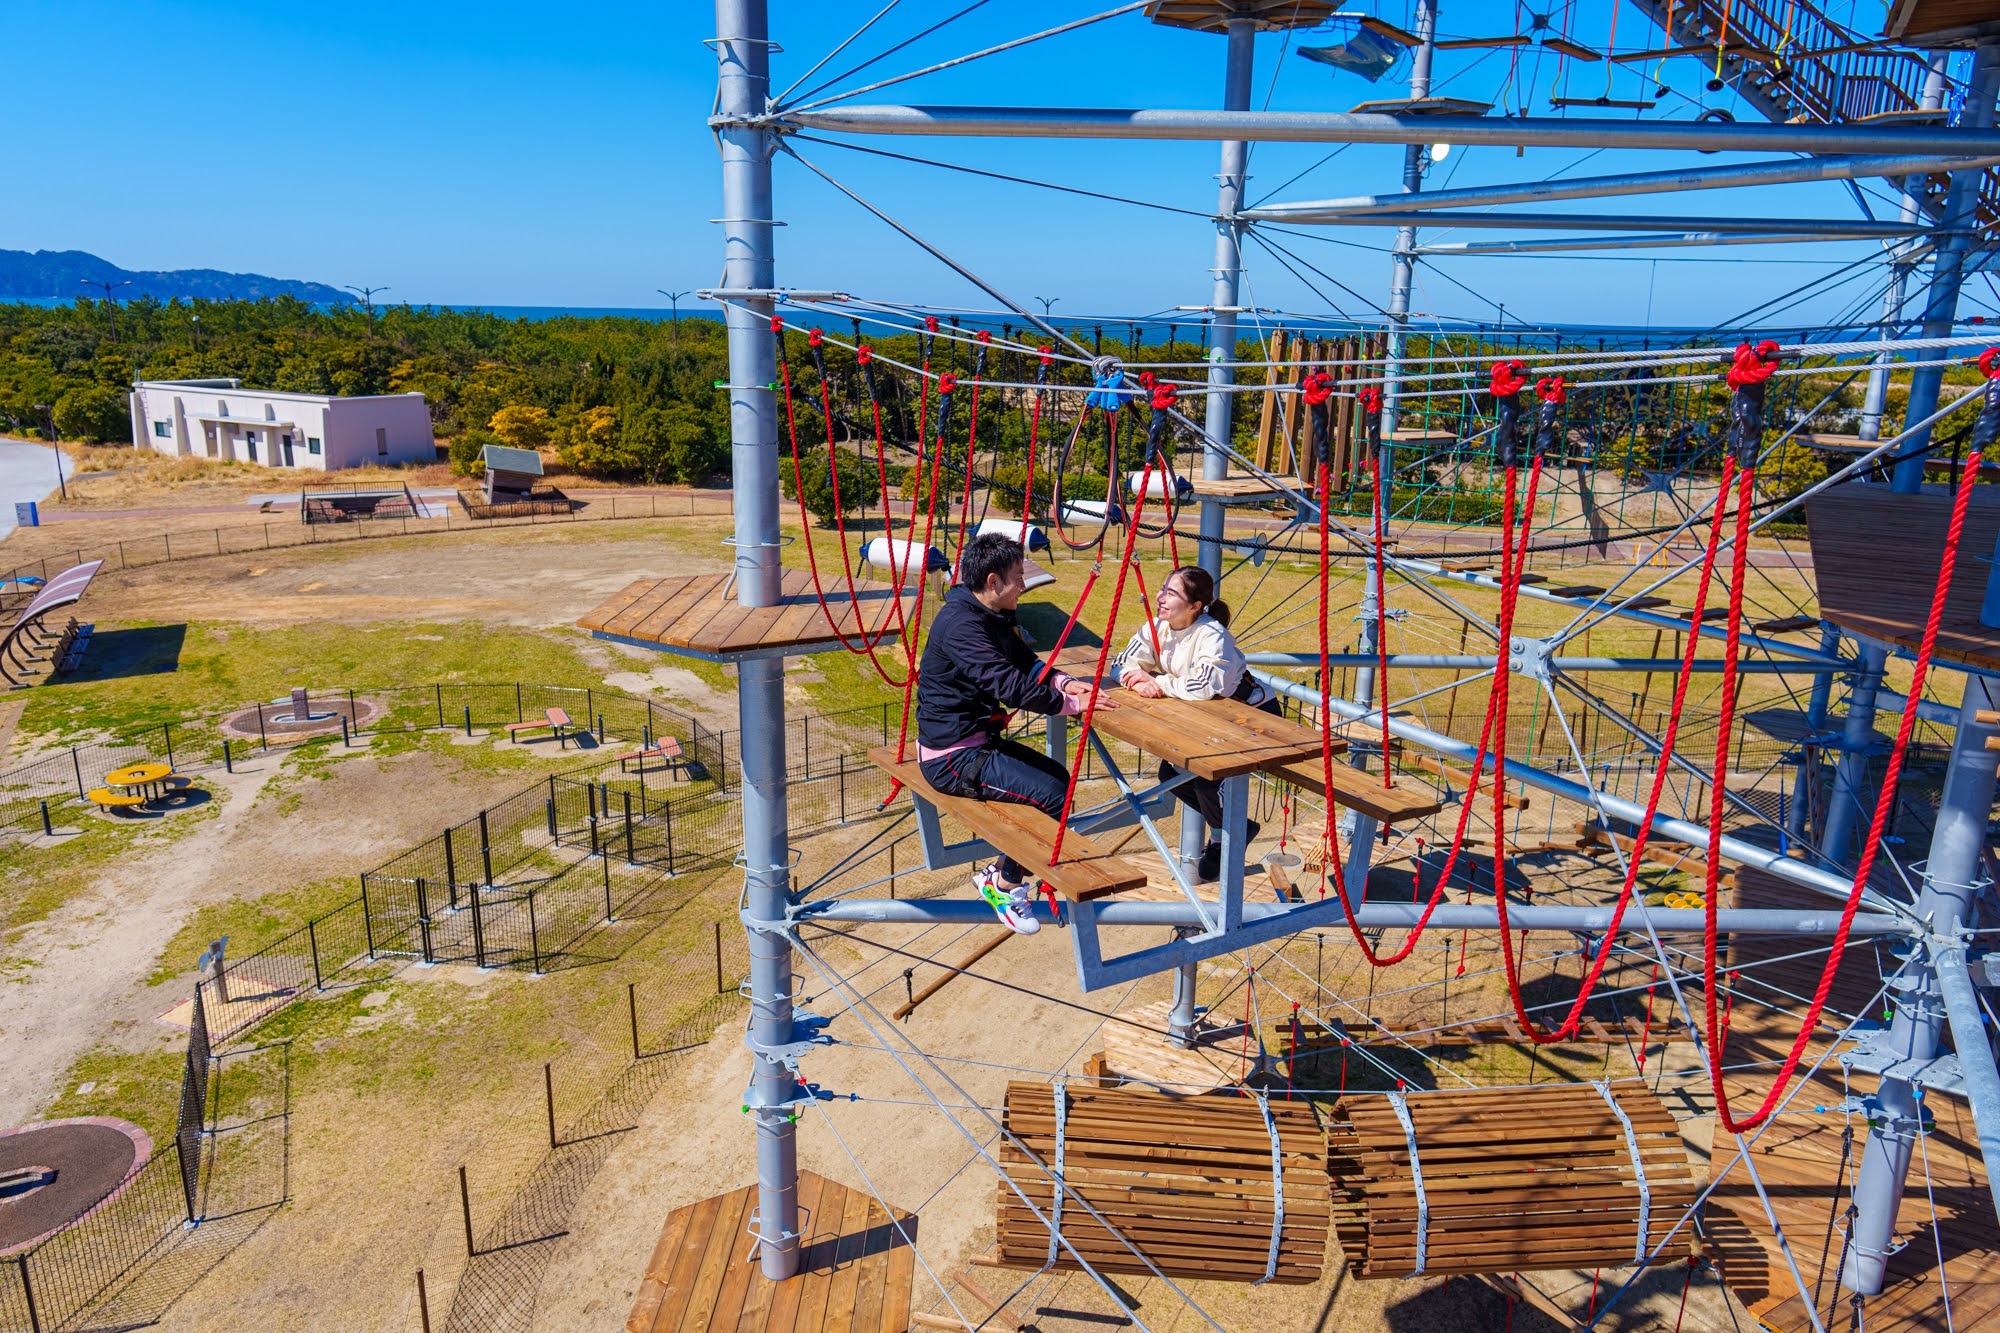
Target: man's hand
(1080,690)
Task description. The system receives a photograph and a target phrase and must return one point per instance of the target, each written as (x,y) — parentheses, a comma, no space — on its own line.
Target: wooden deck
(855,1267)
(1875,559)
(698,616)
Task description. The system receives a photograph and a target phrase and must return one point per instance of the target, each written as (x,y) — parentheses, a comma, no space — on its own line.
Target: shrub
(468,450)
(94,414)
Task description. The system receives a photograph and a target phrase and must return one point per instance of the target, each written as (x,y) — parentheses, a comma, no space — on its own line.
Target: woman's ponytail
(1218,611)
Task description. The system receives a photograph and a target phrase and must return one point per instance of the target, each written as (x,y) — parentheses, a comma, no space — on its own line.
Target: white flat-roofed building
(219,418)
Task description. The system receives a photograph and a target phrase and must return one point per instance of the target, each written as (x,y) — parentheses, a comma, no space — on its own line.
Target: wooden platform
(1876,557)
(1511,1182)
(1187,1181)
(698,616)
(855,1267)
(1216,738)
(1087,869)
(1235,488)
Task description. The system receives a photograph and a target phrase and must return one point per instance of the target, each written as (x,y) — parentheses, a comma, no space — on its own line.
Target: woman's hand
(1144,685)
(1080,691)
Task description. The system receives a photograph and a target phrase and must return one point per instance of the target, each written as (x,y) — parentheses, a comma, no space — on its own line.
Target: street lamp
(674,300)
(110,306)
(49,411)
(367,295)
(1047,301)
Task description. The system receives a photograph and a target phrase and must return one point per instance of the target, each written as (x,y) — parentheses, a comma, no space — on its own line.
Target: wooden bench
(1363,791)
(1024,833)
(113,800)
(667,749)
(555,719)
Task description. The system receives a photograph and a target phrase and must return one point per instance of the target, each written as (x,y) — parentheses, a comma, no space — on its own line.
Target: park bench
(554,719)
(666,749)
(108,799)
(1087,869)
(1360,790)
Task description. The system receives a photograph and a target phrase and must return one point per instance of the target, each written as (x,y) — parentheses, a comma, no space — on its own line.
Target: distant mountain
(61,274)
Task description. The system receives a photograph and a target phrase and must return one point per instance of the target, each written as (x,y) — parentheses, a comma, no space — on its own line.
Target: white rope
(1638,1168)
(1417,1176)
(1061,1091)
(1277,1190)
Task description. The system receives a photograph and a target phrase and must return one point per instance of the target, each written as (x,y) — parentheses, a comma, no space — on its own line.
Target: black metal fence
(54,1284)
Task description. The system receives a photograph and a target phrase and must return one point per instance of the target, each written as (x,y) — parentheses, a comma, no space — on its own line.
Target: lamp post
(110,305)
(1047,301)
(49,412)
(194,322)
(367,295)
(674,301)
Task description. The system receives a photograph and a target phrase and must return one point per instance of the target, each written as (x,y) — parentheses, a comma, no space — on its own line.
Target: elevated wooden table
(698,616)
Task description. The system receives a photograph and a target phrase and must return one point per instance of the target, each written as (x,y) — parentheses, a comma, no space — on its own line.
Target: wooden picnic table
(1212,738)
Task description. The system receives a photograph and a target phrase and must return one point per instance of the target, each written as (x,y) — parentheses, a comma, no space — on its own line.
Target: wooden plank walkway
(855,1267)
(699,615)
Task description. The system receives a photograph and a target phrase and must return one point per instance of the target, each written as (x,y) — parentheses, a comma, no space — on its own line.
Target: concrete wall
(304,432)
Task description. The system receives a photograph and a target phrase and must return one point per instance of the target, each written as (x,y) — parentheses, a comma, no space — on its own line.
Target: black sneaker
(1209,868)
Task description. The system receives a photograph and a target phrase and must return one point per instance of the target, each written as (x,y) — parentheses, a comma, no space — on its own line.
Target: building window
(381,440)
(163,429)
(312,444)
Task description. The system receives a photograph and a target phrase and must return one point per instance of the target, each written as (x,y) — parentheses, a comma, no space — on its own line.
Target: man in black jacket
(976,668)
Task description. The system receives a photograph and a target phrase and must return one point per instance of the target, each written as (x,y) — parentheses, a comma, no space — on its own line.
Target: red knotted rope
(1508,378)
(1753,365)
(971,457)
(1103,652)
(1034,429)
(867,642)
(1885,802)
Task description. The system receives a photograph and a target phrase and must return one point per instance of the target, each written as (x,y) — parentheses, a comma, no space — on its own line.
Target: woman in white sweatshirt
(1187,653)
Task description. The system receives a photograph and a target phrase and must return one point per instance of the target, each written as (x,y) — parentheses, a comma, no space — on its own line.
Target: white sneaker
(1014,904)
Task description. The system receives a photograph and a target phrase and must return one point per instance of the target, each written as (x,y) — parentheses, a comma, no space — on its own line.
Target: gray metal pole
(1975,1055)
(1857,743)
(1641,241)
(1679,830)
(743,50)
(1403,261)
(1961,218)
(1951,879)
(1783,171)
(1899,272)
(1639,919)
(1361,828)
(1224,293)
(1822,691)
(1834,227)
(1027,122)
(1180,1022)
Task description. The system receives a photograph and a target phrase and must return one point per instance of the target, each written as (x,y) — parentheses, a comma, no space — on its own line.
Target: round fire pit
(280,718)
(58,1171)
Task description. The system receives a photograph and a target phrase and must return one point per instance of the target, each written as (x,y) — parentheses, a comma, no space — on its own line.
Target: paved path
(27,472)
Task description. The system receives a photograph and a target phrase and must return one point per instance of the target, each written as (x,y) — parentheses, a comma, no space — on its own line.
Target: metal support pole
(1360,830)
(1180,1025)
(1903,265)
(1951,878)
(1224,295)
(742,49)
(1403,262)
(1850,771)
(1955,232)
(1796,825)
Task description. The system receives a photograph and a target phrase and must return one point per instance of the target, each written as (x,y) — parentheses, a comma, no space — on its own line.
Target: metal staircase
(1795,64)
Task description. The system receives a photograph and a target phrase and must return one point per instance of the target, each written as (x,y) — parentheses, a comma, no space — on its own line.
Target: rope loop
(1508,378)
(1753,365)
(1370,399)
(815,337)
(1553,389)
(1165,396)
(777,324)
(1318,387)
(1986,363)
(863,354)
(930,324)
(947,384)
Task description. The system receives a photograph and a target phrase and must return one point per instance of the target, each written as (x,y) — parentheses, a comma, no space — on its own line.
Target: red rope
(1884,803)
(1103,652)
(1034,429)
(1571,1021)
(971,450)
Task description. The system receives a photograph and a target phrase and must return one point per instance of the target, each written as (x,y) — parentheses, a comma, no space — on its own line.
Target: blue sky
(508,153)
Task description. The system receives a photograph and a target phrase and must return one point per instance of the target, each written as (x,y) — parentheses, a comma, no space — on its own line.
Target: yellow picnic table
(148,780)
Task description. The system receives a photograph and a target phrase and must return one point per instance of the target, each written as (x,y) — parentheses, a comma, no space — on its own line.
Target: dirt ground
(372,1183)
